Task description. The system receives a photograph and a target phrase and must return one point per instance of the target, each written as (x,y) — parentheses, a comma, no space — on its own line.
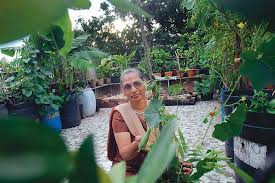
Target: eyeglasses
(136,84)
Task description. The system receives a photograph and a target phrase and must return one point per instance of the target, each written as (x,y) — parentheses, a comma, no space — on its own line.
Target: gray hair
(128,71)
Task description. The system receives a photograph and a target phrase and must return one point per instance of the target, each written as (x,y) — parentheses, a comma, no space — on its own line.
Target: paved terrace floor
(191,117)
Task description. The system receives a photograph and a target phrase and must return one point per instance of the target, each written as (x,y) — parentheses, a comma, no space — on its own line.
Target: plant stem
(216,113)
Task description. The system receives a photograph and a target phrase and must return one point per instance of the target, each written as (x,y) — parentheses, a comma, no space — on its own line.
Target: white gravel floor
(191,117)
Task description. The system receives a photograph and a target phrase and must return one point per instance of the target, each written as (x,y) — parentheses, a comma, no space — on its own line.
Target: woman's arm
(127,149)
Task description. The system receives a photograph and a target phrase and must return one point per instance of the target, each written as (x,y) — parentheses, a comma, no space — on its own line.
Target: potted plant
(107,66)
(23,84)
(100,75)
(257,132)
(49,104)
(206,87)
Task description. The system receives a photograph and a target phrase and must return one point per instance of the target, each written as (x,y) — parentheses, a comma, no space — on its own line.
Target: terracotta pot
(169,73)
(157,74)
(100,82)
(270,87)
(191,73)
(107,80)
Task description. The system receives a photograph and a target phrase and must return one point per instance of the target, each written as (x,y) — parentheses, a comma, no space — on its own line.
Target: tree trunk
(145,43)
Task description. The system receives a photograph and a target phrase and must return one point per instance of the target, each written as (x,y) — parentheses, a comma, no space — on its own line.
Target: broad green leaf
(203,167)
(21,18)
(152,113)
(127,6)
(82,65)
(118,173)
(243,175)
(31,153)
(66,26)
(188,4)
(232,125)
(103,176)
(80,4)
(259,66)
(182,141)
(85,170)
(8,51)
(79,41)
(93,54)
(160,156)
(26,92)
(131,179)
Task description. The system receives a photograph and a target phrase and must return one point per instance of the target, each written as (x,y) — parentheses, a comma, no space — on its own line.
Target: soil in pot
(70,113)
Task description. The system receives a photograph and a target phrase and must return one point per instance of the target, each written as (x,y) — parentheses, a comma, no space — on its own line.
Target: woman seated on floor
(127,125)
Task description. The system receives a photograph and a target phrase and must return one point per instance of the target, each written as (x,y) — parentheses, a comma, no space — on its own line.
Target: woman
(127,124)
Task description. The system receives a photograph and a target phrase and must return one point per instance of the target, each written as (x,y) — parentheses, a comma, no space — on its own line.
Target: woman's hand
(187,168)
(138,139)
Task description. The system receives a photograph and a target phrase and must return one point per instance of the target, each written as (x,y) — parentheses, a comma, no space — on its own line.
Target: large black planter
(207,97)
(23,109)
(236,96)
(255,143)
(3,109)
(70,113)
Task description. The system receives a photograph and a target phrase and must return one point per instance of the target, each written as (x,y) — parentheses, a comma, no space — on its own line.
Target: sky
(74,15)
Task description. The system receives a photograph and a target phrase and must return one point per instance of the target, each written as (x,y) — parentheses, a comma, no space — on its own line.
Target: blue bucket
(52,119)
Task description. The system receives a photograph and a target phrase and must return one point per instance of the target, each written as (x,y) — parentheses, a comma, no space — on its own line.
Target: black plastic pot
(204,71)
(255,143)
(70,113)
(23,109)
(3,109)
(115,79)
(207,97)
(235,97)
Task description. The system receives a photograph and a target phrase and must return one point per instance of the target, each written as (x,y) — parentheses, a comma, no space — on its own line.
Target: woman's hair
(131,70)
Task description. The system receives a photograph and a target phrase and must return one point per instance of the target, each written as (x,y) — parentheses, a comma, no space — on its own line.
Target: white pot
(88,101)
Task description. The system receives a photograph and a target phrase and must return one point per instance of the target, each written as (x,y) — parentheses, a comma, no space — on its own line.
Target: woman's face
(133,87)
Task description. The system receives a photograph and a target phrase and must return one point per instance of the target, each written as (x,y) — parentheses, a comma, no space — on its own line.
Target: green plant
(100,72)
(260,103)
(161,60)
(175,89)
(121,61)
(206,86)
(106,67)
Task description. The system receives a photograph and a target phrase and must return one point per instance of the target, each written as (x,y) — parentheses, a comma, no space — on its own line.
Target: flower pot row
(102,81)
(189,73)
(68,116)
